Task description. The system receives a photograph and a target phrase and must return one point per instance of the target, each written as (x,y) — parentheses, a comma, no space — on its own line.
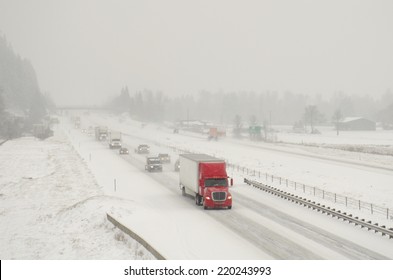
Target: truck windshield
(216,182)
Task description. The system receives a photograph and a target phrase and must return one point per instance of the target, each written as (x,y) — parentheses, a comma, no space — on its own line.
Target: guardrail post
(287,182)
(346,201)
(371,208)
(295,186)
(314,190)
(323,194)
(280,180)
(335,197)
(304,188)
(272,177)
(359,204)
(266,176)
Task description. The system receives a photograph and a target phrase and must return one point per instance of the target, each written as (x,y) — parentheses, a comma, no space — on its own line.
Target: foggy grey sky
(90,49)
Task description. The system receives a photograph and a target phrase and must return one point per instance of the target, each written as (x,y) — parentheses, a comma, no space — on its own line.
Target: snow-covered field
(56,193)
(328,135)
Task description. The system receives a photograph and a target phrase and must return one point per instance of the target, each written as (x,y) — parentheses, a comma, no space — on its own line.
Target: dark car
(153,164)
(177,165)
(142,149)
(165,158)
(123,151)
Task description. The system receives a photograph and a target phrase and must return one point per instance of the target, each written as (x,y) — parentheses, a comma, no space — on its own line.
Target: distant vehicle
(165,158)
(77,122)
(114,140)
(123,151)
(101,133)
(205,178)
(142,149)
(54,120)
(215,133)
(177,165)
(42,131)
(153,164)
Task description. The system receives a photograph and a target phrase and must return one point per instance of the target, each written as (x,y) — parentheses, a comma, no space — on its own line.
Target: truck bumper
(209,203)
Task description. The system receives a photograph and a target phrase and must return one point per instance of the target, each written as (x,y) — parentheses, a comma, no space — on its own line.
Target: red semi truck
(205,178)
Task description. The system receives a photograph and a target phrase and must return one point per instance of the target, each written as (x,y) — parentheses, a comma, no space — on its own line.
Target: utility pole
(188,119)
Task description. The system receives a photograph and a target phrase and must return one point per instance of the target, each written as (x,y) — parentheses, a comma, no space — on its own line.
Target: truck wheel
(205,207)
(198,199)
(229,207)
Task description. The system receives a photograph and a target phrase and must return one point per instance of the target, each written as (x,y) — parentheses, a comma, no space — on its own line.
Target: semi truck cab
(213,187)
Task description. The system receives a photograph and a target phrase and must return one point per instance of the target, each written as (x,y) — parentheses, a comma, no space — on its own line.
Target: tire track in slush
(333,242)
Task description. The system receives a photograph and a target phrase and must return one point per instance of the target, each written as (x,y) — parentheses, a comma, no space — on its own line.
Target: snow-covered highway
(274,228)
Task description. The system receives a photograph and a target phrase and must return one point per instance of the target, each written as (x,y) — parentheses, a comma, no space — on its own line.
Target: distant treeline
(265,107)
(21,102)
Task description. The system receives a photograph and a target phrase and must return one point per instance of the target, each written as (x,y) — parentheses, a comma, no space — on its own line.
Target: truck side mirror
(231,182)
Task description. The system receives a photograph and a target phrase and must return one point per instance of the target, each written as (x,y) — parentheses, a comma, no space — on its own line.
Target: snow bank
(52,208)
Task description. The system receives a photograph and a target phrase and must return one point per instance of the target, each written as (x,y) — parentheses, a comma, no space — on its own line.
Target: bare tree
(312,116)
(253,120)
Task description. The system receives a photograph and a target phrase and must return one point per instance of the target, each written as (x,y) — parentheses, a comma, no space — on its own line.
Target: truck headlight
(229,197)
(207,197)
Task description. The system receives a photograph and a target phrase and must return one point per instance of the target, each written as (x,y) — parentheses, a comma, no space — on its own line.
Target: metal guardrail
(322,208)
(135,236)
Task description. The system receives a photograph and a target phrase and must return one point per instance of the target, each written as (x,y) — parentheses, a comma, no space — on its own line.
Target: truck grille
(219,196)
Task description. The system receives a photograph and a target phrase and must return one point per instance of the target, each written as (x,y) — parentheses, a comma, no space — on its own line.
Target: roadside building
(357,123)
